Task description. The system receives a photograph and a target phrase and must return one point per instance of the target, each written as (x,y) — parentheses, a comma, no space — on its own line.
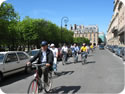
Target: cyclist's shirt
(83,48)
(75,49)
(91,46)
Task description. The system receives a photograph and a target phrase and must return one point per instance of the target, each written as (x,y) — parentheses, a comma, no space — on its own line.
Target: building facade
(115,33)
(90,32)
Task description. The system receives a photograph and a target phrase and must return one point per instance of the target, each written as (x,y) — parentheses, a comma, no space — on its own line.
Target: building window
(90,36)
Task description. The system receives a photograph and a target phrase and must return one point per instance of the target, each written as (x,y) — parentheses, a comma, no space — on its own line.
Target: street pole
(65,19)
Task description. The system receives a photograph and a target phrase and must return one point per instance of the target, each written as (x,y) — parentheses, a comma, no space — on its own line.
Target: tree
(28,32)
(7,17)
(80,40)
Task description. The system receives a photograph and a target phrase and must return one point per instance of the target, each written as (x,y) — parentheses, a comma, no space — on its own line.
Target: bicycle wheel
(63,60)
(33,87)
(48,86)
(83,60)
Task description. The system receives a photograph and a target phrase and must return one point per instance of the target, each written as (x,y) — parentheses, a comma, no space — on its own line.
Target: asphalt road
(103,73)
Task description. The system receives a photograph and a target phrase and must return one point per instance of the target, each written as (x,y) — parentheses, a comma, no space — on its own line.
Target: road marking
(1,92)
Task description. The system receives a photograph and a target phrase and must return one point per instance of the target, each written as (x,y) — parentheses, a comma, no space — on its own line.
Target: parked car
(32,53)
(114,48)
(119,51)
(123,53)
(101,47)
(110,47)
(12,62)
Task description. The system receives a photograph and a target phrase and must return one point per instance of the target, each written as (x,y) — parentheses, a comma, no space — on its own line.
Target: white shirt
(55,51)
(65,49)
(44,59)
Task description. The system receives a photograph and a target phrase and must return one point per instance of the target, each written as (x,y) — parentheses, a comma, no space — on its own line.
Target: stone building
(115,33)
(90,32)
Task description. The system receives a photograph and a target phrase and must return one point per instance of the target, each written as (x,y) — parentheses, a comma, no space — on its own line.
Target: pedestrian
(55,53)
(64,51)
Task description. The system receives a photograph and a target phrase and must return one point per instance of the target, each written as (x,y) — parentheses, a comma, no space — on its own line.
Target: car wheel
(123,58)
(28,69)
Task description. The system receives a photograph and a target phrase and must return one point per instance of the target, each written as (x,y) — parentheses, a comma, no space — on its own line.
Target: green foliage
(81,40)
(30,32)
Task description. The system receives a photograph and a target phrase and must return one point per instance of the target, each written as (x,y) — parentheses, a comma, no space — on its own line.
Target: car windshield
(33,53)
(101,45)
(1,57)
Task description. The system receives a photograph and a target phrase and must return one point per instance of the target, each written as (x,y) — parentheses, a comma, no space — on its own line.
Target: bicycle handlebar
(36,65)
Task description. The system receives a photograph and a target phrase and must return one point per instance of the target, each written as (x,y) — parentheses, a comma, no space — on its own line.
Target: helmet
(44,43)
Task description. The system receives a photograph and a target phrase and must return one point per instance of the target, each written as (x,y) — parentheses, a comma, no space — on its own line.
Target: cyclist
(75,50)
(83,50)
(55,53)
(88,49)
(44,56)
(91,47)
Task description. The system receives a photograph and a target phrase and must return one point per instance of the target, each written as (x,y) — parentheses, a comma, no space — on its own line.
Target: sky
(85,12)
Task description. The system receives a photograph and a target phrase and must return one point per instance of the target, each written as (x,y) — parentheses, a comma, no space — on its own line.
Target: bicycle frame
(75,56)
(36,76)
(83,56)
(37,84)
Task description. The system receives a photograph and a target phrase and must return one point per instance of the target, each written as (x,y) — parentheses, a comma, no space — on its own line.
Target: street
(103,73)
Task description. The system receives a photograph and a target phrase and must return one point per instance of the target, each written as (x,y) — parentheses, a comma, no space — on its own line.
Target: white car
(12,62)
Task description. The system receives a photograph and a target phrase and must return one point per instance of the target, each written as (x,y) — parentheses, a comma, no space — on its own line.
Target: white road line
(1,92)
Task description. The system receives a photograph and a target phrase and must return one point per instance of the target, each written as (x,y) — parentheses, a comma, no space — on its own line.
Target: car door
(23,59)
(10,64)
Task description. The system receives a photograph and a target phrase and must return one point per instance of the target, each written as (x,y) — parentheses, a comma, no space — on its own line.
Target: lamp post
(65,20)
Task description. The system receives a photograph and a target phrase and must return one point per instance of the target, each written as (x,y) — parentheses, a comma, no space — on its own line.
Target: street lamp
(65,19)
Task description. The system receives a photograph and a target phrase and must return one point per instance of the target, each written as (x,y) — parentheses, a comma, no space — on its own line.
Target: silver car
(12,62)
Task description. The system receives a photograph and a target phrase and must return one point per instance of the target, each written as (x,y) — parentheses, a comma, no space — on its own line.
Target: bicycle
(75,56)
(84,57)
(37,85)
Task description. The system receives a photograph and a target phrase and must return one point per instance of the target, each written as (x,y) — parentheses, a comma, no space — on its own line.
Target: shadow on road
(58,74)
(66,89)
(90,55)
(14,78)
(68,63)
(89,62)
